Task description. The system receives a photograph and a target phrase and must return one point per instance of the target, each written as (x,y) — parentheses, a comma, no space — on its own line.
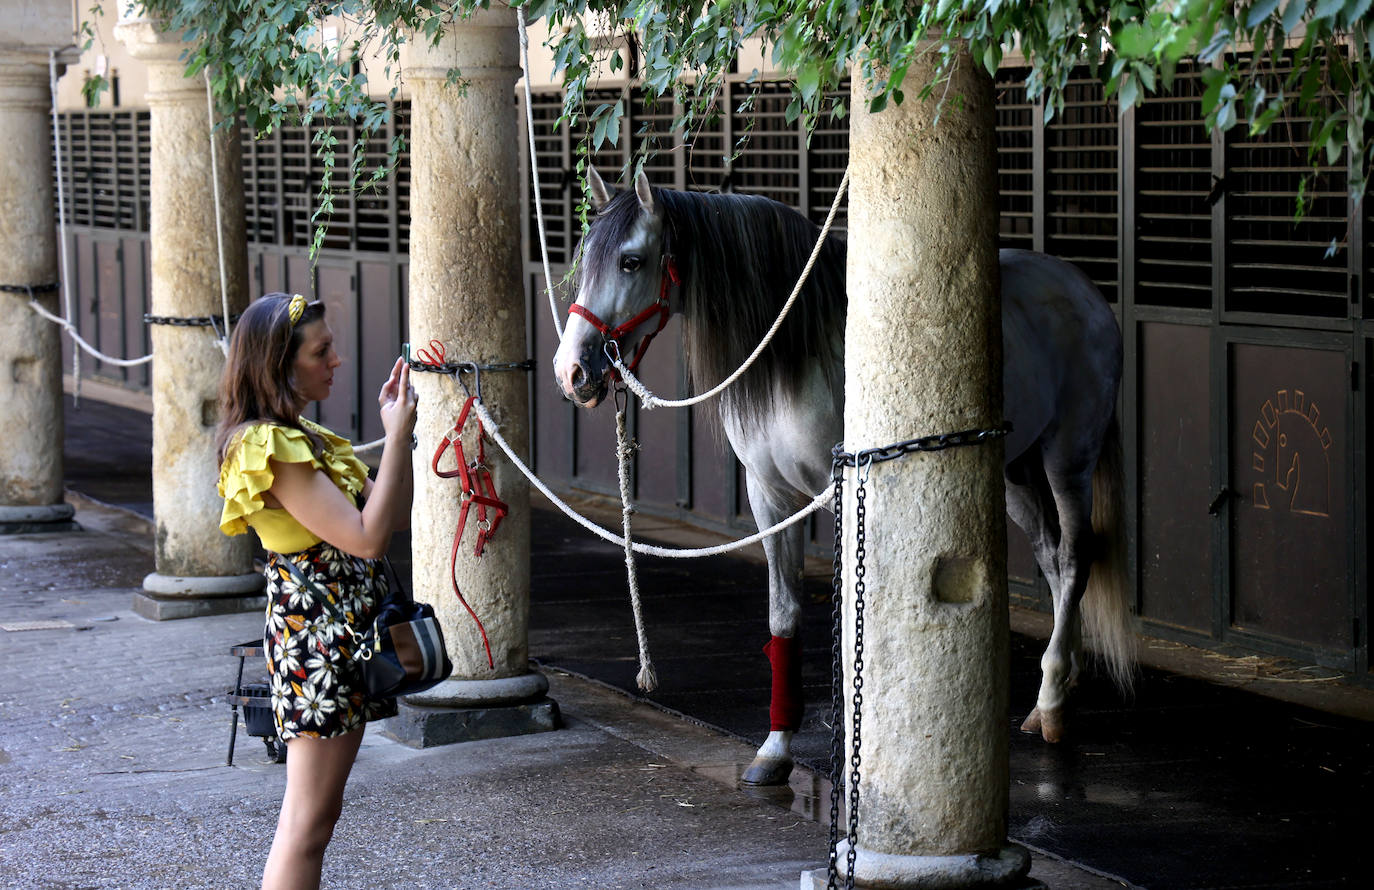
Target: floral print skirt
(317,691)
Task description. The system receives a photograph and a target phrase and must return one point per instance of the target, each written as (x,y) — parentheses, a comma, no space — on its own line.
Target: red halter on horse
(659,306)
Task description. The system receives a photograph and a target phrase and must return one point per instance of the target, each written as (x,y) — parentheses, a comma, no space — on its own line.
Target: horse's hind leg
(1060,664)
(772,765)
(1030,503)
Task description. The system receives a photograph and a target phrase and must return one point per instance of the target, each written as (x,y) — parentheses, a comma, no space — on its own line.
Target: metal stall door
(337,287)
(1174,447)
(1291,477)
(380,334)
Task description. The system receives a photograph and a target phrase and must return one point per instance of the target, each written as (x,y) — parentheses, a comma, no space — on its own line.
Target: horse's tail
(1107,603)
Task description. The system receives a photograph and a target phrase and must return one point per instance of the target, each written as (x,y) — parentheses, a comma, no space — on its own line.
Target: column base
(169,597)
(468,710)
(1007,870)
(37,519)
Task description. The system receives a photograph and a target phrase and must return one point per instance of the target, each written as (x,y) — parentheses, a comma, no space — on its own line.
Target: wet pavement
(1191,784)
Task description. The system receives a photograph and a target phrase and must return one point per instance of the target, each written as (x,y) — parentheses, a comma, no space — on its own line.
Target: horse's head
(623,286)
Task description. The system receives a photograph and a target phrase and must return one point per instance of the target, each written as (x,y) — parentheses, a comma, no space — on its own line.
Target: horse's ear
(642,191)
(601,196)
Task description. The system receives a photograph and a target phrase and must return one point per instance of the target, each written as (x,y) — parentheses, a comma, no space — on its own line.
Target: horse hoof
(1049,723)
(767,772)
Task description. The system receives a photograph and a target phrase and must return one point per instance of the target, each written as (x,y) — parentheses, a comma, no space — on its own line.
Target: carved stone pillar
(199,570)
(923,300)
(466,290)
(30,346)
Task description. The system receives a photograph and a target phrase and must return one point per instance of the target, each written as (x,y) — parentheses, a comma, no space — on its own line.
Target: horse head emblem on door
(1292,456)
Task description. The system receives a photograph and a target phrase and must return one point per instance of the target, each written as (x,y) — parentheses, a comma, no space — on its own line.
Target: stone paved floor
(114,730)
(113,736)
(1191,785)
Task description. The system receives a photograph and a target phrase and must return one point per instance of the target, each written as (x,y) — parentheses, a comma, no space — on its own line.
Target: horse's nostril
(577,376)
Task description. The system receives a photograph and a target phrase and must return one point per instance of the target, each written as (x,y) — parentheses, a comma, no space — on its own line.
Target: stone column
(200,571)
(30,346)
(466,290)
(923,355)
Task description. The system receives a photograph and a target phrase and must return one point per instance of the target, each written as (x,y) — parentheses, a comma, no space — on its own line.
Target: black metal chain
(469,367)
(457,369)
(193,321)
(862,461)
(860,537)
(938,442)
(836,680)
(29,289)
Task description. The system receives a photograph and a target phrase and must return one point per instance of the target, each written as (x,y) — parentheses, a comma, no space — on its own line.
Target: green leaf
(1326,9)
(1135,41)
(1292,14)
(1355,11)
(808,81)
(1130,92)
(1222,38)
(1260,11)
(1147,76)
(992,57)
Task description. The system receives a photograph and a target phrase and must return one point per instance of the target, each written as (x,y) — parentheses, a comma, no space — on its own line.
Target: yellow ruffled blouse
(246,474)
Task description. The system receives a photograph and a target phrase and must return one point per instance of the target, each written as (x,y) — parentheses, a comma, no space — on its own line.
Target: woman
(297,485)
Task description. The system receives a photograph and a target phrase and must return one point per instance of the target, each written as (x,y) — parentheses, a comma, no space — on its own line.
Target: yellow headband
(296,308)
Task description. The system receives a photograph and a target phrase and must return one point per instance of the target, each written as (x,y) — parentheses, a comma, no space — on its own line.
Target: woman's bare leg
(316,772)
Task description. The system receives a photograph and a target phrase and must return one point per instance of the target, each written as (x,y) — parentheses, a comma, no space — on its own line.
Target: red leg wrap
(785,710)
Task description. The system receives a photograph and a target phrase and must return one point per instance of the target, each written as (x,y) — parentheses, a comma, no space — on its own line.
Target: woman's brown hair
(257,384)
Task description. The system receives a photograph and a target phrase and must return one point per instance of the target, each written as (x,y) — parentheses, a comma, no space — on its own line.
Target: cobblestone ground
(113,735)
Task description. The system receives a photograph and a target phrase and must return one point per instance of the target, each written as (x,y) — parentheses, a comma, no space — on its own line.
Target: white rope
(62,253)
(62,226)
(534,170)
(647,679)
(821,500)
(647,398)
(71,330)
(652,401)
(222,340)
(370,446)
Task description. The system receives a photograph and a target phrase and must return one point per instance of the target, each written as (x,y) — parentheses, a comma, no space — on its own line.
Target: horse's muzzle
(589,396)
(583,380)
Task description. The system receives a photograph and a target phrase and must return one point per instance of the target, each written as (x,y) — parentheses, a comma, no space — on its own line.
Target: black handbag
(403,652)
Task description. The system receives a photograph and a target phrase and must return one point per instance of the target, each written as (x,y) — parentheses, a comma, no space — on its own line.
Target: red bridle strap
(477,488)
(659,307)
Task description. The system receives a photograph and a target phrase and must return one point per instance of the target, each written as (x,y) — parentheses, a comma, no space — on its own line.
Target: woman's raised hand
(397,402)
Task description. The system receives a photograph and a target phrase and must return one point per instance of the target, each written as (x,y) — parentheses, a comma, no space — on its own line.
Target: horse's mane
(739,257)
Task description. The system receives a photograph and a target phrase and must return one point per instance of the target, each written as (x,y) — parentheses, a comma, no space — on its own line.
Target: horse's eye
(630,263)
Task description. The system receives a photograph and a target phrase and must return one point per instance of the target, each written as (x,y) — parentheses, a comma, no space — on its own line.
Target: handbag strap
(395,577)
(400,589)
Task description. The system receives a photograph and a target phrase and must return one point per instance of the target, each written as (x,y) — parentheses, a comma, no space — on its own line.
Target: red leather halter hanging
(477,488)
(659,307)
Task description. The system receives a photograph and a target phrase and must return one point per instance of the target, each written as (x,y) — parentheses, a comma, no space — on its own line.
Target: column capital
(484,46)
(149,41)
(25,74)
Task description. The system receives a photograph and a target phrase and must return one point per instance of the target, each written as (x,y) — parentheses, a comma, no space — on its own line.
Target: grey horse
(727,263)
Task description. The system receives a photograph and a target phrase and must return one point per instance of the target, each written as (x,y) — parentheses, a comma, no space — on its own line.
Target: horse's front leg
(773,763)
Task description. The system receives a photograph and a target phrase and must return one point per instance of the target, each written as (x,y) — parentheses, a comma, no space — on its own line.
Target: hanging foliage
(1263,60)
